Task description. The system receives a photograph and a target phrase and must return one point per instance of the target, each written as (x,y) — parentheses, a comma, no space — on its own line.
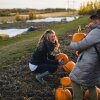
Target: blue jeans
(51,68)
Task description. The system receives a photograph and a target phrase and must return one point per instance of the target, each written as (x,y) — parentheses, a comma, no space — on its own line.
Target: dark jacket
(42,54)
(87,69)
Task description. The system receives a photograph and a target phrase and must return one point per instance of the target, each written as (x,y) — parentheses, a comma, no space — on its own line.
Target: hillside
(16,80)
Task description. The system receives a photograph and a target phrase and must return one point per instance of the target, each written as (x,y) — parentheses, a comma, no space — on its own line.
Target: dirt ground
(18,82)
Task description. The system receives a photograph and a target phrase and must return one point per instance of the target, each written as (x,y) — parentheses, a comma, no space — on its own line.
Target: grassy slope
(15,49)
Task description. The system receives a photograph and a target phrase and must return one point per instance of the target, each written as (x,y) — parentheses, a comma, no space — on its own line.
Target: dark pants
(78,92)
(51,68)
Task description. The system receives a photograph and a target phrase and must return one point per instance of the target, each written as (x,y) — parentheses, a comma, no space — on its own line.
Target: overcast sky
(42,4)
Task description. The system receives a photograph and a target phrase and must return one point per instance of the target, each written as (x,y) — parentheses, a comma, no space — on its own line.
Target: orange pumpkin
(78,36)
(63,94)
(62,56)
(69,66)
(87,94)
(65,81)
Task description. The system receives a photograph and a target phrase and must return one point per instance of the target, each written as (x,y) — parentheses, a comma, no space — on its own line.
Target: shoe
(40,80)
(39,77)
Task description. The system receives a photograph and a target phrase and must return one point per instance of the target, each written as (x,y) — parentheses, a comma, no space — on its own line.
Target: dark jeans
(51,68)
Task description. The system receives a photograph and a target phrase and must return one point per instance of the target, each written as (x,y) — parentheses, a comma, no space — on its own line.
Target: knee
(53,69)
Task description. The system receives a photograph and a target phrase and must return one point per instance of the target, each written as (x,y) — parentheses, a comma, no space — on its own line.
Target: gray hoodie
(87,69)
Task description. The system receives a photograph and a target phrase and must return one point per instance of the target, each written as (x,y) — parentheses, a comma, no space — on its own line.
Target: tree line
(10,12)
(89,8)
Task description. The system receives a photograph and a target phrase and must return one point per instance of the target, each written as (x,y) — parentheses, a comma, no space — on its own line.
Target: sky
(42,4)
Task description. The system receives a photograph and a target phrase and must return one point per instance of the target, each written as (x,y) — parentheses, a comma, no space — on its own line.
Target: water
(51,19)
(12,32)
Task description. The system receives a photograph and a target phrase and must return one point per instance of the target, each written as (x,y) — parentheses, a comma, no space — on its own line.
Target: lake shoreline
(23,28)
(38,23)
(22,25)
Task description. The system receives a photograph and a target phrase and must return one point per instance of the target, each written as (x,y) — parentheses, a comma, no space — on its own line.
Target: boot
(40,76)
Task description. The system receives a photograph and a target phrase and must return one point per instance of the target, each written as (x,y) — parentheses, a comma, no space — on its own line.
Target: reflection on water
(12,32)
(50,19)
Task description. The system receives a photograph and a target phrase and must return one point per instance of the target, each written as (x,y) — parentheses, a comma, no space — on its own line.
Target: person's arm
(92,38)
(51,59)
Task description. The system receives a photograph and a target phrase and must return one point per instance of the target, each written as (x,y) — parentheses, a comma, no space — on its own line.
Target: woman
(43,62)
(86,73)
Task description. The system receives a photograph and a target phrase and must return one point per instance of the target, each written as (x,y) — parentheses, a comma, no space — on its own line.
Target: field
(19,45)
(16,80)
(56,14)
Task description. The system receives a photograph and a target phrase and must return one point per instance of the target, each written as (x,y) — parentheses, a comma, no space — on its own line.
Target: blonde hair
(45,37)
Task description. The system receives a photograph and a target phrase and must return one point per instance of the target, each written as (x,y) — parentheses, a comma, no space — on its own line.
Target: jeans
(51,68)
(78,92)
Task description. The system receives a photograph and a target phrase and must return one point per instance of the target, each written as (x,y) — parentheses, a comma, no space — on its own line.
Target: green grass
(4,25)
(15,49)
(71,26)
(19,38)
(59,29)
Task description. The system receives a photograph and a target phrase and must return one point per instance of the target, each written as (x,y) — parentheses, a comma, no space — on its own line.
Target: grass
(71,26)
(13,50)
(4,25)
(19,38)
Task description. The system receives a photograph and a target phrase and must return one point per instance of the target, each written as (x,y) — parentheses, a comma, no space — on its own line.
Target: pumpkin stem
(63,87)
(68,87)
(79,29)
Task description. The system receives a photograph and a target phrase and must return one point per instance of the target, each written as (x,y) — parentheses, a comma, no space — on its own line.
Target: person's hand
(91,24)
(77,53)
(61,62)
(68,47)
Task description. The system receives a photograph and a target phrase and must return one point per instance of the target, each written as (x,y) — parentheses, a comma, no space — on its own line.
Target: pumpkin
(65,81)
(62,56)
(87,94)
(63,94)
(69,66)
(78,36)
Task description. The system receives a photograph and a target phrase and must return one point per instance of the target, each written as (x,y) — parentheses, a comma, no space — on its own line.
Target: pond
(51,19)
(12,32)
